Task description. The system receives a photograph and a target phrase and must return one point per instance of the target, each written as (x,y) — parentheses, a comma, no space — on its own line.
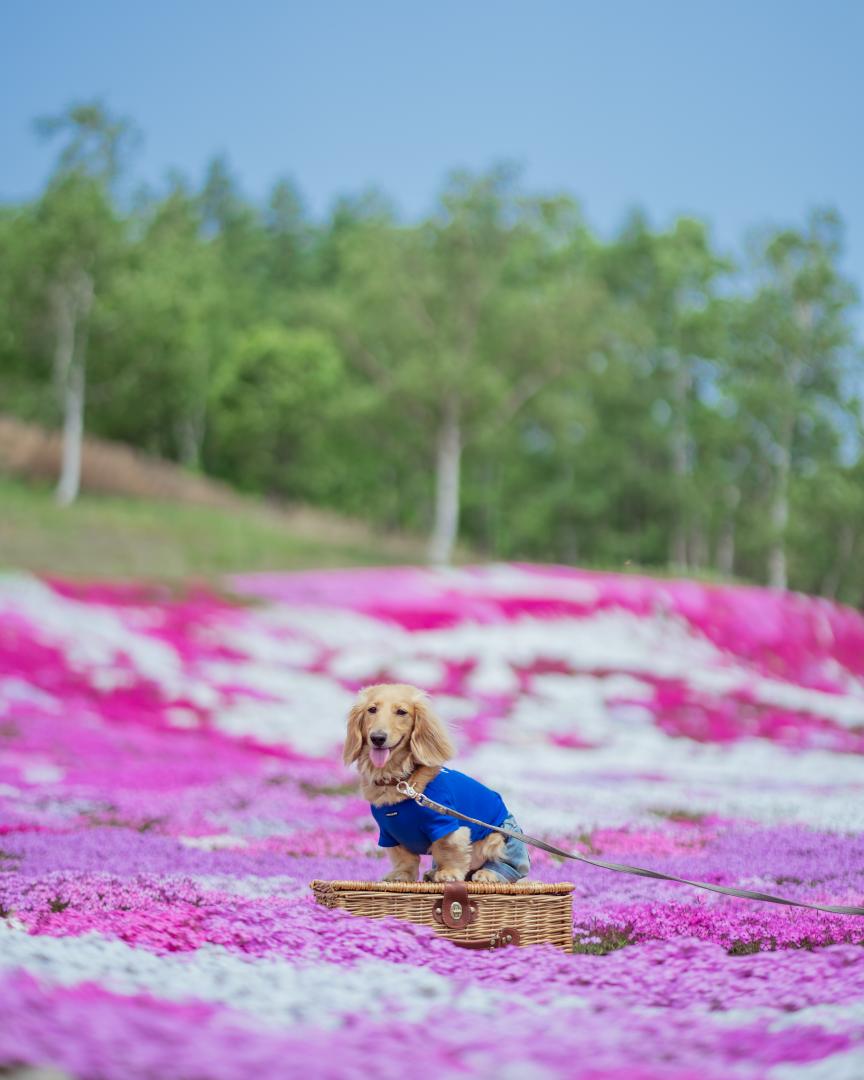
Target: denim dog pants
(516,861)
(514,864)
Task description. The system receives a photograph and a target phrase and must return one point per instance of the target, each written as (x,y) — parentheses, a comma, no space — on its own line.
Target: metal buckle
(404,788)
(501,938)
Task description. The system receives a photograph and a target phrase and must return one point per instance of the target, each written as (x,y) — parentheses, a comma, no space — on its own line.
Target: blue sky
(743,113)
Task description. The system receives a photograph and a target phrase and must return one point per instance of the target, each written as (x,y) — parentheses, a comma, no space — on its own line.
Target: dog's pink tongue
(379,755)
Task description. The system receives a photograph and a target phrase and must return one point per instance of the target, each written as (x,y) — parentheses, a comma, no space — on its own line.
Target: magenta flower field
(171,781)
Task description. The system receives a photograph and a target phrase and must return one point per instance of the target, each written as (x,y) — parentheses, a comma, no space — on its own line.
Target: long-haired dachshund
(393,735)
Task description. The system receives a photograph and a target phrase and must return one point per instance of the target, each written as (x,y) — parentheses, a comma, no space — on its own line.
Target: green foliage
(274,381)
(643,400)
(96,144)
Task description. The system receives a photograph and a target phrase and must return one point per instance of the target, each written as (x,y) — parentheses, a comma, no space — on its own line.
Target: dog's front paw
(446,875)
(399,875)
(488,876)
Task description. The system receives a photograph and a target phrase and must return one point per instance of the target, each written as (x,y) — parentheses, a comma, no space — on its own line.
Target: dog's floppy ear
(430,743)
(354,735)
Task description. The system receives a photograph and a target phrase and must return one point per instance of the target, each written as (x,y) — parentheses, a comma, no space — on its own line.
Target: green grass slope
(113,537)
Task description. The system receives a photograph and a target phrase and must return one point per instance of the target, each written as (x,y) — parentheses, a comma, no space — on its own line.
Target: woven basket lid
(519,888)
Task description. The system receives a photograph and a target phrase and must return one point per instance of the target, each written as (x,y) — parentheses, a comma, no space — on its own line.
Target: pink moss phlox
(151,794)
(88,1031)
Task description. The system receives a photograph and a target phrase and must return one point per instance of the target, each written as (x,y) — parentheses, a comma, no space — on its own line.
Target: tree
(78,233)
(265,398)
(289,236)
(793,342)
(669,279)
(23,376)
(827,560)
(423,311)
(167,312)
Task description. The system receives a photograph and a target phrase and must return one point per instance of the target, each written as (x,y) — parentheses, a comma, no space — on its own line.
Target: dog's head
(391,723)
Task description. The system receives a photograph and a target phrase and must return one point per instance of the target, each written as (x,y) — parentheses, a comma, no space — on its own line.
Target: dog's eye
(372,708)
(401,712)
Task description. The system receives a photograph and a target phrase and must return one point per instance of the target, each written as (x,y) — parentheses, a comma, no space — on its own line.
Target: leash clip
(404,788)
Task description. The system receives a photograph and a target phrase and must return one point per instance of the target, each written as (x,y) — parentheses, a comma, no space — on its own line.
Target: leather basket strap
(507,935)
(454,909)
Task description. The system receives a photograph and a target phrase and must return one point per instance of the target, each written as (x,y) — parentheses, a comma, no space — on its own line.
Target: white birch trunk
(678,547)
(697,547)
(73,301)
(794,368)
(447,485)
(777,571)
(190,437)
(726,541)
(69,483)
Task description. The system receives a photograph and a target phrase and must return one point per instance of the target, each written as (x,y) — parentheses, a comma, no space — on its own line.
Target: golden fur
(419,745)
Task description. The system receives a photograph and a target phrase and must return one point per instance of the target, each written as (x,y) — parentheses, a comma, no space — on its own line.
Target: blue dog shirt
(415,827)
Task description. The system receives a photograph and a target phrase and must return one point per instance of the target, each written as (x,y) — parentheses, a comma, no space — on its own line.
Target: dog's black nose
(378,738)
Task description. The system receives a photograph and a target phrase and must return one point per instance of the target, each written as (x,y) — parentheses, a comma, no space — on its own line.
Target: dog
(394,735)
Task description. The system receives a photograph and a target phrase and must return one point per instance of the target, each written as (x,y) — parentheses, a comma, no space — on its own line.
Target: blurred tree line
(495,372)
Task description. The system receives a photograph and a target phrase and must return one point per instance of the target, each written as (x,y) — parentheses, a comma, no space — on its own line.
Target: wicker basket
(476,916)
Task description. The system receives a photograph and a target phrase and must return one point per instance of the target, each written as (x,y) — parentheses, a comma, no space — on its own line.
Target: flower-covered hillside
(170,781)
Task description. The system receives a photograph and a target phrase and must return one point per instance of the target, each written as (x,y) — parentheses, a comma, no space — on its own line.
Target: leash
(405,788)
